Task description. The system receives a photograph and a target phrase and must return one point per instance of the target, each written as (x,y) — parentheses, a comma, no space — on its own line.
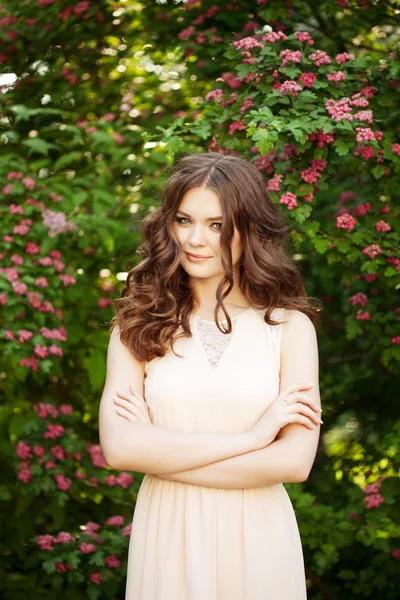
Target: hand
(291,406)
(132,406)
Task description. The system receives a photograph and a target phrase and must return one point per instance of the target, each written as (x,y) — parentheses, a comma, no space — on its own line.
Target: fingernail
(320,421)
(117,390)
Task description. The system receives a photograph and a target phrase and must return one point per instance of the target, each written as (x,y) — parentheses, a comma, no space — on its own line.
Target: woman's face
(197,227)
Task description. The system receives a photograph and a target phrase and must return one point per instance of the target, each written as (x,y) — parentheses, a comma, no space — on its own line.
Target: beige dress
(198,543)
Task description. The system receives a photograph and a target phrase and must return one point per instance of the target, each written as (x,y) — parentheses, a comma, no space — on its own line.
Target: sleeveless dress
(192,542)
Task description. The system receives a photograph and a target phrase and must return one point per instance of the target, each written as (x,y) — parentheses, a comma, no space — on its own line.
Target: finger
(136,392)
(297,418)
(299,397)
(132,406)
(297,386)
(299,407)
(122,412)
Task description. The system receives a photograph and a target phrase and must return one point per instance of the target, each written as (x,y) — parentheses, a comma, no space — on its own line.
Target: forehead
(201,203)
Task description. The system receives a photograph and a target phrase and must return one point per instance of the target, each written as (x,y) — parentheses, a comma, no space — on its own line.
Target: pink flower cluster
(373,498)
(311,175)
(274,36)
(345,221)
(248,43)
(322,138)
(342,58)
(290,56)
(274,184)
(304,37)
(236,126)
(365,134)
(372,250)
(360,299)
(396,149)
(338,76)
(289,87)
(308,79)
(289,199)
(320,57)
(214,95)
(382,226)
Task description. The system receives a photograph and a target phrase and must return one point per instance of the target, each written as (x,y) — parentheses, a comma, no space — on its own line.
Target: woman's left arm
(290,456)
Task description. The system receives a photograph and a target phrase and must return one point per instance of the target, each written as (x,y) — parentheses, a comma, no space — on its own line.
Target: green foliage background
(107,95)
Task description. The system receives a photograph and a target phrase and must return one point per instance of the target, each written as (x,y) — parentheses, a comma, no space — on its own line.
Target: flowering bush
(310,93)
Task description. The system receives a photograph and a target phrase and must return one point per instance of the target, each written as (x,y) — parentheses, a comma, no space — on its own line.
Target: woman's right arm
(145,448)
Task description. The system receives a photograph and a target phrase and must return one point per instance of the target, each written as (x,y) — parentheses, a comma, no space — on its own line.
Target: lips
(196,255)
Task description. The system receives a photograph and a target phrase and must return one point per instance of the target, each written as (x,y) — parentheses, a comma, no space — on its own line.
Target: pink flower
(290,56)
(345,221)
(364,134)
(45,542)
(338,76)
(290,87)
(307,79)
(14,209)
(95,578)
(339,110)
(274,36)
(396,148)
(96,455)
(63,483)
(342,58)
(395,553)
(58,452)
(382,226)
(248,103)
(53,431)
(320,58)
(115,520)
(125,480)
(364,115)
(247,43)
(87,548)
(373,501)
(274,184)
(360,298)
(305,37)
(23,450)
(126,531)
(363,316)
(112,561)
(64,538)
(395,339)
(29,183)
(216,94)
(236,126)
(372,250)
(231,80)
(289,199)
(362,209)
(24,472)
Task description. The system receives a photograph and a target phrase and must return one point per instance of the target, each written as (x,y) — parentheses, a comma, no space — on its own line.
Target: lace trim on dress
(215,342)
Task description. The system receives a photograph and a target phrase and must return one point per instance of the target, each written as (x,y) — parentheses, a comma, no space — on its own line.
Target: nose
(197,237)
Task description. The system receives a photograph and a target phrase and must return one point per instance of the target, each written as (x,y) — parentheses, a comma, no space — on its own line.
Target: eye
(181,219)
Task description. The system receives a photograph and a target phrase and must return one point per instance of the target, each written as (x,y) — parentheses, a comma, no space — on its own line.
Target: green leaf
(342,147)
(38,145)
(96,369)
(321,245)
(67,159)
(378,171)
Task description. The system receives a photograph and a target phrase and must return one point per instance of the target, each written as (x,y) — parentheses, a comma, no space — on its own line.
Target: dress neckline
(224,320)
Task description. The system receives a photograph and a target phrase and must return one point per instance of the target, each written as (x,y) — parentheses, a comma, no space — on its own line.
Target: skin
(197,235)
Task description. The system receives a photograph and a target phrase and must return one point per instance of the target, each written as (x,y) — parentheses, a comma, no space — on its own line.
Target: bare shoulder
(297,330)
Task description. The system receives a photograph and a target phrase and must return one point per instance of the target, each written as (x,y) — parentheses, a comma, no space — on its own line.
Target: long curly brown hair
(156,299)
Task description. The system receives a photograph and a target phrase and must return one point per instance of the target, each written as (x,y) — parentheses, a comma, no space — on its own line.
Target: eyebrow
(210,219)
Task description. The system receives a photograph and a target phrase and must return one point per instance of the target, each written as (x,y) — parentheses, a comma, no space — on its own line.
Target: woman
(217,413)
